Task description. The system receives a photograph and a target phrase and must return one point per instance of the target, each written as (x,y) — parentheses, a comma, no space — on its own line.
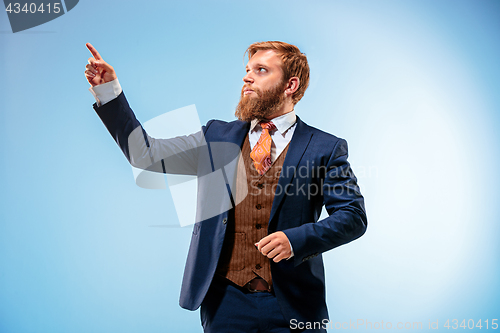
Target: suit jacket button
(258,266)
(258,226)
(260,186)
(258,206)
(224,221)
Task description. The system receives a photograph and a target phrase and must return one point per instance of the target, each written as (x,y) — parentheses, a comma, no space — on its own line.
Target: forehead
(265,57)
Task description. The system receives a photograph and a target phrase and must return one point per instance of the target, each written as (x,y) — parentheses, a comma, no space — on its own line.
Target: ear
(292,86)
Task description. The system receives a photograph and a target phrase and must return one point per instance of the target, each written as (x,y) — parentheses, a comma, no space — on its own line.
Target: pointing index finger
(94,52)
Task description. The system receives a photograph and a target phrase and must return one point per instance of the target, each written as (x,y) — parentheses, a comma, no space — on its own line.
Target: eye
(261,70)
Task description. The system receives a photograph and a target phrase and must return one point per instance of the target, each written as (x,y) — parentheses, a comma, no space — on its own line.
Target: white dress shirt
(285,126)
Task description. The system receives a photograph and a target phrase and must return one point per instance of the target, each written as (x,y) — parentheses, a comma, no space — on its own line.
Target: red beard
(261,107)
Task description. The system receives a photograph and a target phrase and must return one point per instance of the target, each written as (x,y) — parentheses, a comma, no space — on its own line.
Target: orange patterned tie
(261,152)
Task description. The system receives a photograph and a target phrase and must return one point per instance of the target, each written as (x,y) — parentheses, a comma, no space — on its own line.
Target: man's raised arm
(177,155)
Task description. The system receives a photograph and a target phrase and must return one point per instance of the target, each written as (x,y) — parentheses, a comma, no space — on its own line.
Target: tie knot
(268,125)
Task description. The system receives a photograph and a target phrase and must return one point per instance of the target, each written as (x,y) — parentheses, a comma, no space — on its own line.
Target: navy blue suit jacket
(315,173)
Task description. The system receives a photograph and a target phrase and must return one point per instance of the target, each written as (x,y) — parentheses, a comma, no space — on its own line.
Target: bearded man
(256,266)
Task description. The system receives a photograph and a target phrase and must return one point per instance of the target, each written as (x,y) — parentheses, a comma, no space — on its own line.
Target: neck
(286,108)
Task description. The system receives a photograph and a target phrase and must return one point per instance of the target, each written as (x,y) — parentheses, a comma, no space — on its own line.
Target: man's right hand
(97,70)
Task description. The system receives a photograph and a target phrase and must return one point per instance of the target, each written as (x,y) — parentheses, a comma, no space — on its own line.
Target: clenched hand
(275,246)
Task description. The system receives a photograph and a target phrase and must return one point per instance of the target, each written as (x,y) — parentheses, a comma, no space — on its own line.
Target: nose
(248,77)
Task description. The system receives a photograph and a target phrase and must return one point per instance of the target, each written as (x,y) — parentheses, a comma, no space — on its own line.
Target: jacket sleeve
(177,155)
(345,206)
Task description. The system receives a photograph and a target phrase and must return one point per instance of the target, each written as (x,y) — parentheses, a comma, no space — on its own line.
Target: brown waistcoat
(240,261)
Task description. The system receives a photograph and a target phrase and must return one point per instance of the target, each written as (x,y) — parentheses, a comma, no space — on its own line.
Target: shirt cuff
(291,249)
(106,92)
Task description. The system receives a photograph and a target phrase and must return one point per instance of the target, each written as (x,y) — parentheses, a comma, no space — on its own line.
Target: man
(256,266)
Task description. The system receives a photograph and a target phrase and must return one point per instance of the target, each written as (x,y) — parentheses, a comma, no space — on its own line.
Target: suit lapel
(298,145)
(225,147)
(238,133)
(225,151)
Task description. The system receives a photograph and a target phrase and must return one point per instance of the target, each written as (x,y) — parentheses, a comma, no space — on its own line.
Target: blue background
(412,85)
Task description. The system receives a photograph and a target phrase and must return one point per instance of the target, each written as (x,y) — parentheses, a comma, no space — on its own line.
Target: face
(263,72)
(263,92)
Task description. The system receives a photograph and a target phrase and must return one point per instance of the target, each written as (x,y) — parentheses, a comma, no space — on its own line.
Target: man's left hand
(275,246)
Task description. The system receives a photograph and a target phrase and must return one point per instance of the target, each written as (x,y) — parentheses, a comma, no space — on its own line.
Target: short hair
(293,63)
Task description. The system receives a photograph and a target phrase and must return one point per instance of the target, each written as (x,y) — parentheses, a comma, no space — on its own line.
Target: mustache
(255,90)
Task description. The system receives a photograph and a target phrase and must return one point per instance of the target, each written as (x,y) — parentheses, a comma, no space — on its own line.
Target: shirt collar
(282,123)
